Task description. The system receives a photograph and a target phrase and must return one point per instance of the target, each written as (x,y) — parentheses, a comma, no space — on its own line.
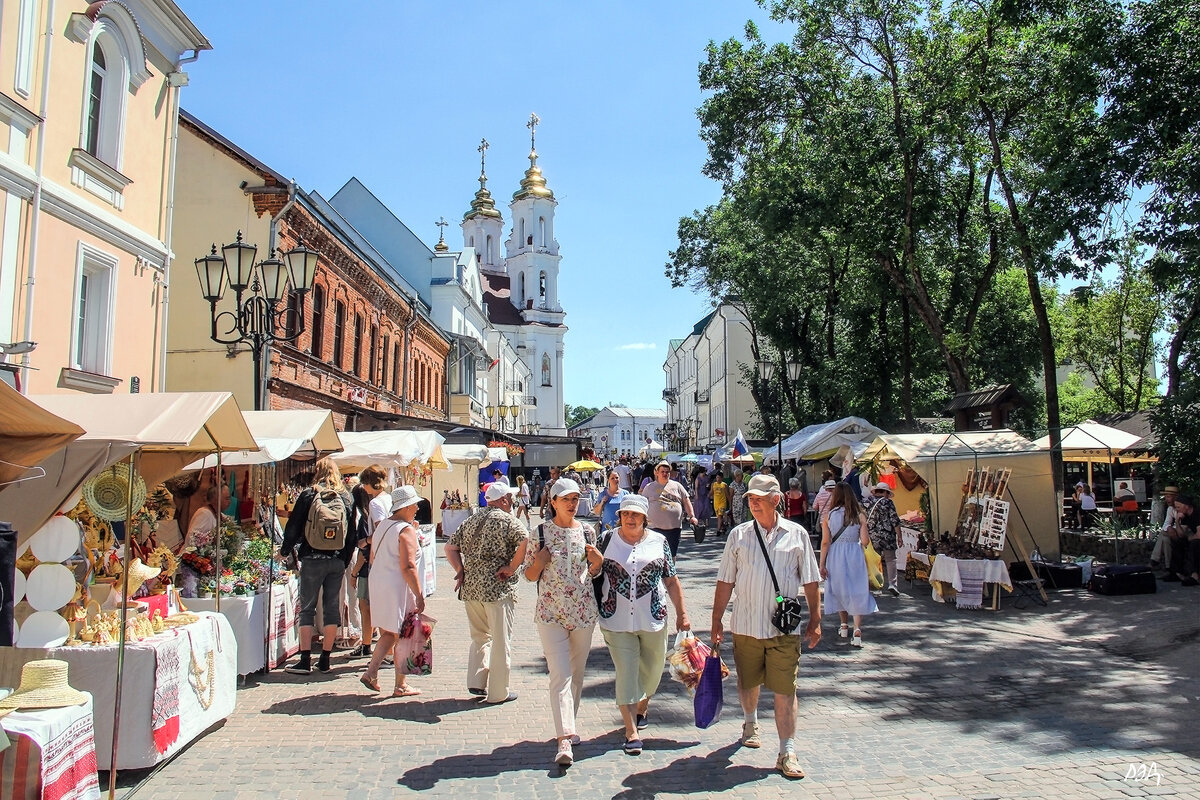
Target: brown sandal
(405,691)
(373,685)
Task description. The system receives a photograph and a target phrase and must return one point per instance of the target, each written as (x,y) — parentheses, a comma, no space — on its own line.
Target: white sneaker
(856,640)
(565,757)
(843,631)
(894,591)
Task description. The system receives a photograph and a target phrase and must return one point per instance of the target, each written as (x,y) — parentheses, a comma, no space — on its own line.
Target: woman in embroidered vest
(563,561)
(843,562)
(639,575)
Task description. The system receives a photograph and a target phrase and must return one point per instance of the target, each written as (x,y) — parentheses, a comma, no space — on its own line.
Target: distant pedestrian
(609,502)
(485,553)
(639,575)
(844,564)
(372,501)
(720,498)
(523,498)
(883,527)
(737,498)
(395,585)
(669,505)
(562,559)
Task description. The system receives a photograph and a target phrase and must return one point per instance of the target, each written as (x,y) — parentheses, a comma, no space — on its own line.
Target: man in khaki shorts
(762,654)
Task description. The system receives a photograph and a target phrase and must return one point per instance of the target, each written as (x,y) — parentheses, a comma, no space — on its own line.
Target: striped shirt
(742,565)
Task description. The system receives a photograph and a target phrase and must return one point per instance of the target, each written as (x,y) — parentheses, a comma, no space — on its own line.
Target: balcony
(702,397)
(670,395)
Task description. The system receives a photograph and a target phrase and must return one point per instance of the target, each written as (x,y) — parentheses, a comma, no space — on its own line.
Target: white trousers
(566,656)
(490,657)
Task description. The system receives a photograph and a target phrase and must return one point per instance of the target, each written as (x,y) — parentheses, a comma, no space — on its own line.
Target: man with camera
(769,559)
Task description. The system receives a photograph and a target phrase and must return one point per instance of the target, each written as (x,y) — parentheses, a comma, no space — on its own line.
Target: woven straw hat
(139,573)
(44,685)
(107,494)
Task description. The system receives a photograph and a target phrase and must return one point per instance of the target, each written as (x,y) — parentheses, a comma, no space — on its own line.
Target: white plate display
(43,629)
(18,586)
(57,540)
(50,587)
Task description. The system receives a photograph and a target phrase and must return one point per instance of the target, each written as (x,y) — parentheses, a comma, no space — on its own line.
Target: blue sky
(399,94)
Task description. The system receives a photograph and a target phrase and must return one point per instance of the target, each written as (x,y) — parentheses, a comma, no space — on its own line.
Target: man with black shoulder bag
(769,560)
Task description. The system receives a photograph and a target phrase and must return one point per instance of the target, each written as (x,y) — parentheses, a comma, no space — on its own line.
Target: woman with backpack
(564,561)
(639,576)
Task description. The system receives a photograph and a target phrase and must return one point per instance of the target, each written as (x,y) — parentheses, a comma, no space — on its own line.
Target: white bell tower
(482,226)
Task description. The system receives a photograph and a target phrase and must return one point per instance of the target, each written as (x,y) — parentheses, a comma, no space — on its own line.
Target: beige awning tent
(293,433)
(170,429)
(943,460)
(395,448)
(1091,441)
(28,435)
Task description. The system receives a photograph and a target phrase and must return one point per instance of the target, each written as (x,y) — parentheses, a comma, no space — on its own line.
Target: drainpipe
(177,79)
(35,203)
(408,330)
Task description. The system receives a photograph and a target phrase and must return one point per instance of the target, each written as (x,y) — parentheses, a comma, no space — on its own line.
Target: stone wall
(1105,548)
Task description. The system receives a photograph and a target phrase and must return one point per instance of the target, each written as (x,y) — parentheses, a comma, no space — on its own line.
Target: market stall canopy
(28,434)
(284,434)
(918,447)
(818,442)
(401,448)
(1091,441)
(469,454)
(586,465)
(169,428)
(651,447)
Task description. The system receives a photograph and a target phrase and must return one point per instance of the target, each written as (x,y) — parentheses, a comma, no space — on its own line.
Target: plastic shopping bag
(874,567)
(686,659)
(709,693)
(414,650)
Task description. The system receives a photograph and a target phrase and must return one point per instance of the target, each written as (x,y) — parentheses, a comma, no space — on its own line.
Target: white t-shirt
(377,511)
(628,566)
(623,473)
(203,521)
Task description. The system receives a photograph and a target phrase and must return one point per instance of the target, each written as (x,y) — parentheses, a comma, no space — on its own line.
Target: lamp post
(766,370)
(504,413)
(256,319)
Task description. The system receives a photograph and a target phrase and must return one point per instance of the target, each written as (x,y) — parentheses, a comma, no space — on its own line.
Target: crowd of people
(620,575)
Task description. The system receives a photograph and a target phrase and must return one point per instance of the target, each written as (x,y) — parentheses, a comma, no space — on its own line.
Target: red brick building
(368,350)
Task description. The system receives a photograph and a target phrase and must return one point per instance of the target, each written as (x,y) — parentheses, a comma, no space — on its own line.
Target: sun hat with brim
(564,486)
(139,573)
(497,490)
(884,487)
(635,502)
(762,485)
(403,497)
(1171,490)
(44,685)
(664,463)
(829,484)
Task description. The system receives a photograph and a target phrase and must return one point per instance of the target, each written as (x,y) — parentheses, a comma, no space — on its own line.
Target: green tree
(577,414)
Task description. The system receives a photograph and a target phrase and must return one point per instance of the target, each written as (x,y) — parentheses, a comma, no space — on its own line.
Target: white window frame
(26,39)
(99,328)
(110,144)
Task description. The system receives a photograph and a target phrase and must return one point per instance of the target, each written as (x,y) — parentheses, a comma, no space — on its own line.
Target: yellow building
(89,94)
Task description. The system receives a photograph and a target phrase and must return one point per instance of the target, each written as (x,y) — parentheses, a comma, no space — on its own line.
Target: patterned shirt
(634,596)
(565,595)
(742,564)
(488,540)
(882,521)
(737,501)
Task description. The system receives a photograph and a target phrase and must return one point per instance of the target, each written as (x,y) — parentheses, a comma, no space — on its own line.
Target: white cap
(564,486)
(497,490)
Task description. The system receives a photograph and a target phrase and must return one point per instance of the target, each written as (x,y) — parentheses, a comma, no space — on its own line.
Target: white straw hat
(44,685)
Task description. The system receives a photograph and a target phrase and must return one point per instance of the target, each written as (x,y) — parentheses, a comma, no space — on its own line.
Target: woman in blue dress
(609,502)
(843,562)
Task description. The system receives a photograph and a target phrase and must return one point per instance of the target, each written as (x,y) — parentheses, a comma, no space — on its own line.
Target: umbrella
(689,457)
(585,466)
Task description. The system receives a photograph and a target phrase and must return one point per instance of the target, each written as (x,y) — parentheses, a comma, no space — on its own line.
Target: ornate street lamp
(766,370)
(257,319)
(504,412)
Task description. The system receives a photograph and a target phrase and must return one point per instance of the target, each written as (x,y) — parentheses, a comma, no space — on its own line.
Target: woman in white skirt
(394,584)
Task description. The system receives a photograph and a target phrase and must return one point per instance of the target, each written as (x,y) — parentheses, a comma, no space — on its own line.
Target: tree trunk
(906,362)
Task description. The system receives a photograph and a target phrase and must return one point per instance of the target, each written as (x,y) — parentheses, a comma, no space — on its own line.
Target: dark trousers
(672,535)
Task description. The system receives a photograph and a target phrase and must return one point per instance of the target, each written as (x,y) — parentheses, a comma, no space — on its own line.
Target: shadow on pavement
(381,706)
(714,772)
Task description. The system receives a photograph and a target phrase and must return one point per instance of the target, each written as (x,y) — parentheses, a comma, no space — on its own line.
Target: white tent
(943,460)
(651,447)
(819,442)
(299,433)
(1091,441)
(169,429)
(399,448)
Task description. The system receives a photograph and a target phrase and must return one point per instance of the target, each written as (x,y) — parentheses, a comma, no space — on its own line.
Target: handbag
(788,610)
(414,649)
(710,695)
(874,567)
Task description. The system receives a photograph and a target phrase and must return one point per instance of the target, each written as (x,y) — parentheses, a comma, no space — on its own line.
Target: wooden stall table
(248,618)
(967,578)
(52,755)
(163,706)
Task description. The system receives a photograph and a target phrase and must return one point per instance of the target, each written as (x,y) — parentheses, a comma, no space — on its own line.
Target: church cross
(441,223)
(483,148)
(534,119)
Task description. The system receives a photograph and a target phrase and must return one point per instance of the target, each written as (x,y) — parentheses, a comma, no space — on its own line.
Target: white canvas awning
(651,447)
(468,454)
(169,428)
(297,433)
(1091,441)
(818,442)
(400,448)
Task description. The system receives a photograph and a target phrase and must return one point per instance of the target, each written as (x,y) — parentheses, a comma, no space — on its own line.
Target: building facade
(617,431)
(707,400)
(367,347)
(90,98)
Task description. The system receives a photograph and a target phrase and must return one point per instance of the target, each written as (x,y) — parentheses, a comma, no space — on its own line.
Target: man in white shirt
(1161,556)
(762,654)
(623,473)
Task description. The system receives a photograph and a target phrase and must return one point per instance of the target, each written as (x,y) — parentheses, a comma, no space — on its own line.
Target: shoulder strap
(846,522)
(541,534)
(767,556)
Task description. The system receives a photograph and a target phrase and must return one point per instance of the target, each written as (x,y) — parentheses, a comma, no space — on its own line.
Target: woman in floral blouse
(563,560)
(639,576)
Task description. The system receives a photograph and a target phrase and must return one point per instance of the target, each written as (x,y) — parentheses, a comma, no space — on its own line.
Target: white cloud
(638,346)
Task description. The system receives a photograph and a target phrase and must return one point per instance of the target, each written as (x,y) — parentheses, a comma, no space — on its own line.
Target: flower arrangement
(513,449)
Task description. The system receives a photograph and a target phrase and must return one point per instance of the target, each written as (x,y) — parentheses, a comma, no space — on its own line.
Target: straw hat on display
(139,573)
(44,685)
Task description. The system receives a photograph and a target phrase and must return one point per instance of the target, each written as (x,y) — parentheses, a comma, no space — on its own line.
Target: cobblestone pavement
(1079,700)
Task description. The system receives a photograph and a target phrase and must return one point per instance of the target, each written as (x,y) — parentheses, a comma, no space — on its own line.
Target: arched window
(542,287)
(521,290)
(522,230)
(113,67)
(339,334)
(371,359)
(542,231)
(383,362)
(356,360)
(472,242)
(396,367)
(99,71)
(487,258)
(545,369)
(318,321)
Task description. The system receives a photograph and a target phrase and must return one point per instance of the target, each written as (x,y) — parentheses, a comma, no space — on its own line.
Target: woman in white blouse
(563,560)
(639,574)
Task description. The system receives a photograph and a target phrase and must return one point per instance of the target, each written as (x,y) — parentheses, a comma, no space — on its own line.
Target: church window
(521,289)
(542,231)
(522,230)
(546,369)
(542,287)
(472,242)
(489,255)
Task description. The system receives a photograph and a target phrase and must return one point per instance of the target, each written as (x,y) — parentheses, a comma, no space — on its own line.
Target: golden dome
(483,204)
(534,183)
(441,246)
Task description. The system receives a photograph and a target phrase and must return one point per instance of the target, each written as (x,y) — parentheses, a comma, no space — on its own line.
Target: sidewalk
(1063,701)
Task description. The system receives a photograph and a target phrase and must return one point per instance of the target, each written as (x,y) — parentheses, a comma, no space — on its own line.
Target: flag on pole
(492,365)
(740,448)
